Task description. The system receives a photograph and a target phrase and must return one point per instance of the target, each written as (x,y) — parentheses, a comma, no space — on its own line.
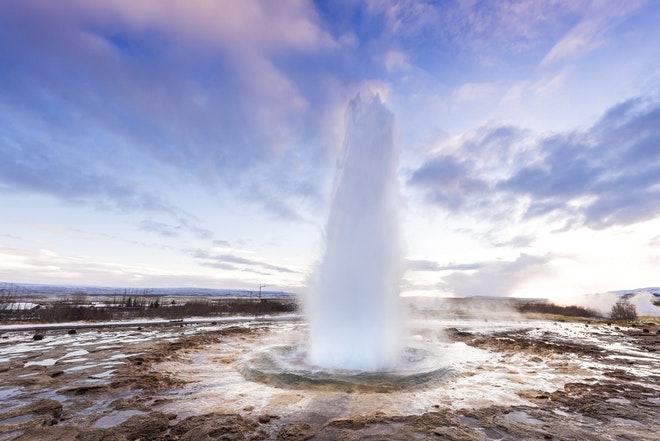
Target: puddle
(470,422)
(522,417)
(116,418)
(17,419)
(8,393)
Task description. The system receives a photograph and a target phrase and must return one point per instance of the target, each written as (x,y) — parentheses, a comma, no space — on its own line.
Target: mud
(121,385)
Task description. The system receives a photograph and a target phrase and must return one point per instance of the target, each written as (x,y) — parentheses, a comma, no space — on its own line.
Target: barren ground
(532,380)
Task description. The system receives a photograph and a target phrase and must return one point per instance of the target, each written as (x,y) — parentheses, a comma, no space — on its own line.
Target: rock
(46,406)
(149,426)
(645,331)
(72,332)
(453,433)
(296,432)
(30,418)
(209,427)
(37,337)
(263,419)
(248,408)
(83,390)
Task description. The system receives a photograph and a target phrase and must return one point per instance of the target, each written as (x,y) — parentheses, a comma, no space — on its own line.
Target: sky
(171,143)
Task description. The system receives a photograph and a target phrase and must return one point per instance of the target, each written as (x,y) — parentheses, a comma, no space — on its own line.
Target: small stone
(248,408)
(263,419)
(72,332)
(37,337)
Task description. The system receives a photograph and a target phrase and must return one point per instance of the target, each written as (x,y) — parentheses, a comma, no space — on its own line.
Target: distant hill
(627,292)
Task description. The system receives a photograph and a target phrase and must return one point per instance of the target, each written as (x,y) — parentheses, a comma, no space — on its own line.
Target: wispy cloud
(169,230)
(485,30)
(593,29)
(237,262)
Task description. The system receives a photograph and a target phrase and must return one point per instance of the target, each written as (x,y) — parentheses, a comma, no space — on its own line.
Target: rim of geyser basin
(284,366)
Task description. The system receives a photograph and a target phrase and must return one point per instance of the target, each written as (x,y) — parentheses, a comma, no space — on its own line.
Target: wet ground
(508,380)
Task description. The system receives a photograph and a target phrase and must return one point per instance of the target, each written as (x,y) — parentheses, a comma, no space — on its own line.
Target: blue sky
(193,143)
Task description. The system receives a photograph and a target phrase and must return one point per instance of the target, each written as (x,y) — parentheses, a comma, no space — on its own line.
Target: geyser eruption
(353,308)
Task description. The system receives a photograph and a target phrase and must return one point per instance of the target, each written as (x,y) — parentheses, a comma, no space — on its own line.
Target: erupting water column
(354,303)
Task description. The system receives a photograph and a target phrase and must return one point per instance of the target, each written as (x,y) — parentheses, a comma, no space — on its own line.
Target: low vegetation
(551,308)
(81,307)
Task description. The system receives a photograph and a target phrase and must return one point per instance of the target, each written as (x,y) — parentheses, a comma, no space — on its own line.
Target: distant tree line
(622,310)
(78,308)
(551,308)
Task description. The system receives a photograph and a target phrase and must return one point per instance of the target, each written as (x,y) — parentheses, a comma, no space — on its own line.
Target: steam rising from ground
(353,308)
(602,302)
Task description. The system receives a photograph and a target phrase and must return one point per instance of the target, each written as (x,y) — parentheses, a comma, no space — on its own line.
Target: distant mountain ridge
(45,289)
(625,292)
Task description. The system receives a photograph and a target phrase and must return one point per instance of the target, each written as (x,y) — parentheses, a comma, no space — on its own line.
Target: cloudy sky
(165,143)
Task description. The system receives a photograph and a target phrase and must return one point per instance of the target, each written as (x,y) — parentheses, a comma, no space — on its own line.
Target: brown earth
(619,405)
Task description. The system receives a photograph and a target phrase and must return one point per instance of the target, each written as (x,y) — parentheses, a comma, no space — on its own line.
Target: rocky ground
(577,381)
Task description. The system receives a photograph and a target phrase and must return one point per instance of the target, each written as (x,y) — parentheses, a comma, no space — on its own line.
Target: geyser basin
(286,367)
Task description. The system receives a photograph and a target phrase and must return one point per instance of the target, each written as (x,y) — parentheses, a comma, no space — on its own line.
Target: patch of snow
(618,400)
(77,353)
(105,374)
(46,362)
(82,367)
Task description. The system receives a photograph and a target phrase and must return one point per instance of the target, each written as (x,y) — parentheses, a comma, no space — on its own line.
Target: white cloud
(474,92)
(498,278)
(396,60)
